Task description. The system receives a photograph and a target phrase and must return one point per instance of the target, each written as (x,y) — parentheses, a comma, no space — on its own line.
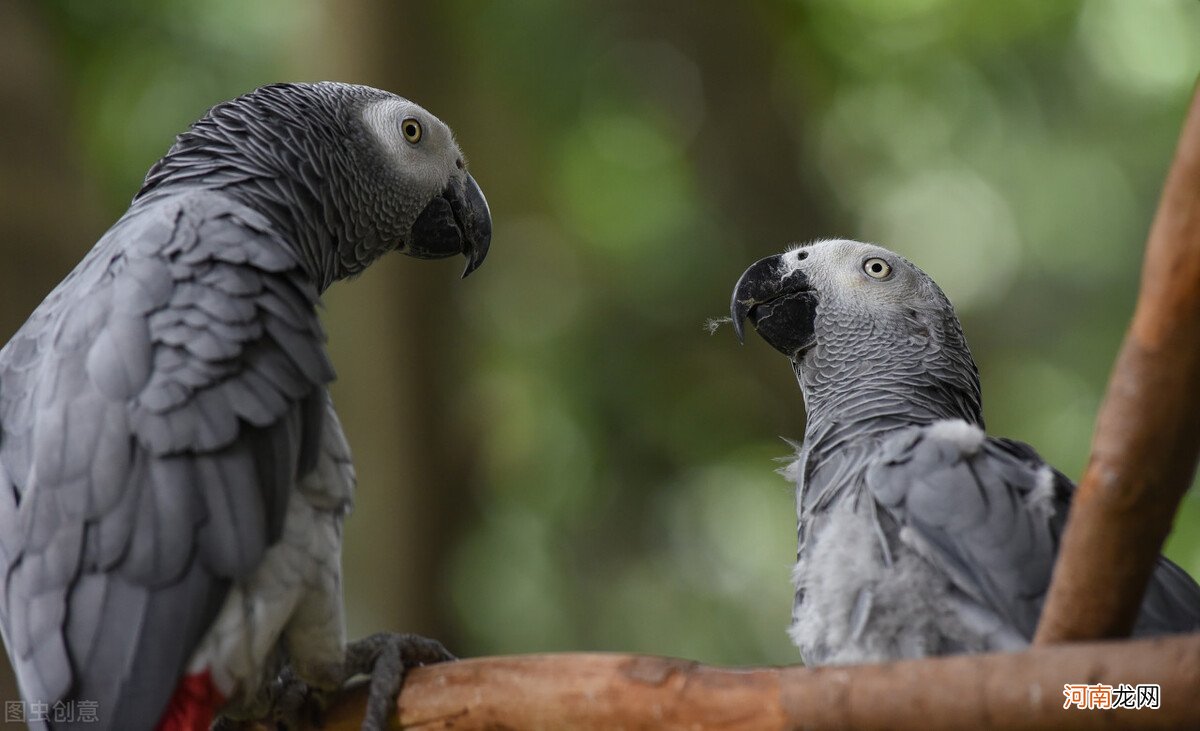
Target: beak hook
(743,299)
(477,231)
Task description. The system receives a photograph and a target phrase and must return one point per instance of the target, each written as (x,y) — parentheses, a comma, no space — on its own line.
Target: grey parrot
(919,534)
(173,477)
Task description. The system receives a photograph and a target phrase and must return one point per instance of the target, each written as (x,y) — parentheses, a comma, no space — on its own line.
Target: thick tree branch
(590,692)
(1148,431)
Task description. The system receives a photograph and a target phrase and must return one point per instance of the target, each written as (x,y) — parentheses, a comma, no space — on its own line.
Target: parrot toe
(386,657)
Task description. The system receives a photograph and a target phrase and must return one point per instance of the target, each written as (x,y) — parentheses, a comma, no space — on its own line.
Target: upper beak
(474,217)
(457,221)
(781,305)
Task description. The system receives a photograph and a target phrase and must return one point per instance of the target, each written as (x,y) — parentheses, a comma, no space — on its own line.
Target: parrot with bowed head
(919,534)
(173,477)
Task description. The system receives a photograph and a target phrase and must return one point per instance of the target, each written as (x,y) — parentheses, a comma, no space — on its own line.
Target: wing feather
(153,412)
(990,514)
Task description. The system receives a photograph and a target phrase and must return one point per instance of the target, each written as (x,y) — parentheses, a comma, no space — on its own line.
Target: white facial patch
(382,119)
(835,267)
(792,258)
(432,159)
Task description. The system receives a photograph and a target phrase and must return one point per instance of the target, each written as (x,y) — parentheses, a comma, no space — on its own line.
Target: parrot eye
(411,129)
(877,268)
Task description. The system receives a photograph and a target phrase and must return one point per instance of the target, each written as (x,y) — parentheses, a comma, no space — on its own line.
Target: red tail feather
(193,705)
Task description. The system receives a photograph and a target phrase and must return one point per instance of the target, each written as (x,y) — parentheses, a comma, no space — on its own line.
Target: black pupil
(410,130)
(877,267)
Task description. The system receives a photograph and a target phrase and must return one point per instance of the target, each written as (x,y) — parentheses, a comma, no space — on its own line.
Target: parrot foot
(284,704)
(386,657)
(295,703)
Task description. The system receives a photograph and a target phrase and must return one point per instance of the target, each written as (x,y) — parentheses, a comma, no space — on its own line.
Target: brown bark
(1148,431)
(602,691)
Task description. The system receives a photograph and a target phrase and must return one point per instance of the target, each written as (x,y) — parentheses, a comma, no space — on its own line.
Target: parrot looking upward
(918,534)
(173,477)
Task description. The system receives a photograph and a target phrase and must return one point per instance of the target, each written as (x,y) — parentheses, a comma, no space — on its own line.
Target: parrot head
(860,324)
(426,160)
(349,172)
(837,289)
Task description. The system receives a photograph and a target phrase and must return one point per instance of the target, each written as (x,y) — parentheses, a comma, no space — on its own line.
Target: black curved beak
(457,221)
(781,304)
(474,217)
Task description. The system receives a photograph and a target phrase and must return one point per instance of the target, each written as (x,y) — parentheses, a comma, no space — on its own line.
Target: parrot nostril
(459,164)
(802,255)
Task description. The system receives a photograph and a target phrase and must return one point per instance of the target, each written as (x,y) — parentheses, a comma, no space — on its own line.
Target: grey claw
(386,657)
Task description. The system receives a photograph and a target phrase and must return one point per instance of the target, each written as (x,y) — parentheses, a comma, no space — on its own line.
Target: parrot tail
(193,705)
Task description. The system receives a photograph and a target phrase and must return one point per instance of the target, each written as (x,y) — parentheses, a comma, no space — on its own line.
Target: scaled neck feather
(283,150)
(862,381)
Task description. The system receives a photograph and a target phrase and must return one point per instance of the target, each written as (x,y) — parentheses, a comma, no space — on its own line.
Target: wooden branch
(1148,431)
(590,692)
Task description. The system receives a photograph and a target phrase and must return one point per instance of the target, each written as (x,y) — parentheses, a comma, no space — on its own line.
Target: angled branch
(1148,431)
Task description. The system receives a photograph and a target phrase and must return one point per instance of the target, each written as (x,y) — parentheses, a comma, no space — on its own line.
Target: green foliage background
(638,156)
